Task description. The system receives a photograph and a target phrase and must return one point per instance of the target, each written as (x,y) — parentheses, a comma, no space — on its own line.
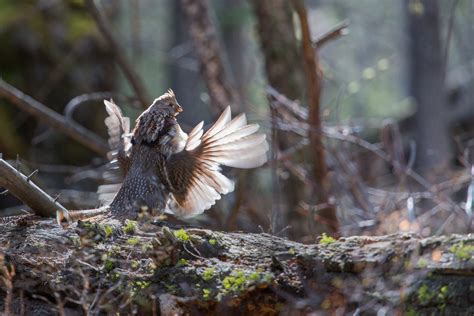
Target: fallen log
(127,268)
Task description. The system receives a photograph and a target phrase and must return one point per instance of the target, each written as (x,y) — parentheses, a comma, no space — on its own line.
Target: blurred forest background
(368,105)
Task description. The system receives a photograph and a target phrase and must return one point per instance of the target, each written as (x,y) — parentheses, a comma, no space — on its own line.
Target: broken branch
(337,31)
(25,190)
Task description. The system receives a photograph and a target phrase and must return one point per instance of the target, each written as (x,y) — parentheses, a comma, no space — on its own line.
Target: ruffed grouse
(164,168)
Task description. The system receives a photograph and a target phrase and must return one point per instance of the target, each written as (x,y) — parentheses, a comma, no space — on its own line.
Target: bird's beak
(179,109)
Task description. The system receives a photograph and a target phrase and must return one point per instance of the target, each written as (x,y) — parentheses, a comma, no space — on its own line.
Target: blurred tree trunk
(426,85)
(284,71)
(212,58)
(185,79)
(283,62)
(236,38)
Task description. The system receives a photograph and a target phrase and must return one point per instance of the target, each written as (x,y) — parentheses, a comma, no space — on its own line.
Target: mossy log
(147,269)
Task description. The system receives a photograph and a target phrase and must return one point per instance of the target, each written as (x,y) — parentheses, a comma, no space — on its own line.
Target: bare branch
(314,84)
(337,31)
(52,118)
(119,52)
(72,105)
(25,190)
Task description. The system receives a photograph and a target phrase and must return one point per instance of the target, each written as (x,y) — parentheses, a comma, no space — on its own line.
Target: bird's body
(164,168)
(141,187)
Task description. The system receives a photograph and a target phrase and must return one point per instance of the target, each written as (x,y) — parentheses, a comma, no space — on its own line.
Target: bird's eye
(170,105)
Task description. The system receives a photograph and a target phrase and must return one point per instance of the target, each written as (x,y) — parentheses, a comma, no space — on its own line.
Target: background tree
(426,85)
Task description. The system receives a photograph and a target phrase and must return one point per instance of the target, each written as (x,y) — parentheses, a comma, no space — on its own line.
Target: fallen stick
(25,190)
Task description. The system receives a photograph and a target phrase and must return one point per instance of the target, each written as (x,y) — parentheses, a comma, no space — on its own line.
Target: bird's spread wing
(194,173)
(118,128)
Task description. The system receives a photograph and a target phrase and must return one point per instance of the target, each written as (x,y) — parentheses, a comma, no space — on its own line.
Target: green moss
(147,246)
(444,290)
(213,241)
(235,282)
(114,276)
(239,281)
(206,294)
(76,241)
(181,235)
(462,252)
(183,262)
(422,263)
(87,225)
(130,227)
(443,297)
(108,231)
(326,240)
(439,298)
(255,276)
(172,288)
(133,241)
(135,264)
(141,284)
(411,312)
(208,274)
(425,296)
(108,265)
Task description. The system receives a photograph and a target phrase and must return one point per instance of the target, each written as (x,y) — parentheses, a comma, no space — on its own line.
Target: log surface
(148,269)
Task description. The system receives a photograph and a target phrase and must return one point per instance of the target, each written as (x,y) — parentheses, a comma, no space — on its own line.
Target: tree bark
(283,62)
(284,71)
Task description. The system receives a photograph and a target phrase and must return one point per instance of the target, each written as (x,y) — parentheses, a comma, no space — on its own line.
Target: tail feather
(64,218)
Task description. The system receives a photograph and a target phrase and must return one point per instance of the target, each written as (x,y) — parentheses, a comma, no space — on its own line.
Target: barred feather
(195,173)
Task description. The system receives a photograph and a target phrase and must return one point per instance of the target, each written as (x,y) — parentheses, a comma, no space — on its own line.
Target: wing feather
(195,174)
(118,128)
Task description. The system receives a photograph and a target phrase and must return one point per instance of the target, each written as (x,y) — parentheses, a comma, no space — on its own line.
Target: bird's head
(157,119)
(166,104)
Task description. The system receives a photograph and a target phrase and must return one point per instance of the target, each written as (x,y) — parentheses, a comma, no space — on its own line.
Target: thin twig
(337,31)
(119,52)
(28,178)
(52,118)
(25,190)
